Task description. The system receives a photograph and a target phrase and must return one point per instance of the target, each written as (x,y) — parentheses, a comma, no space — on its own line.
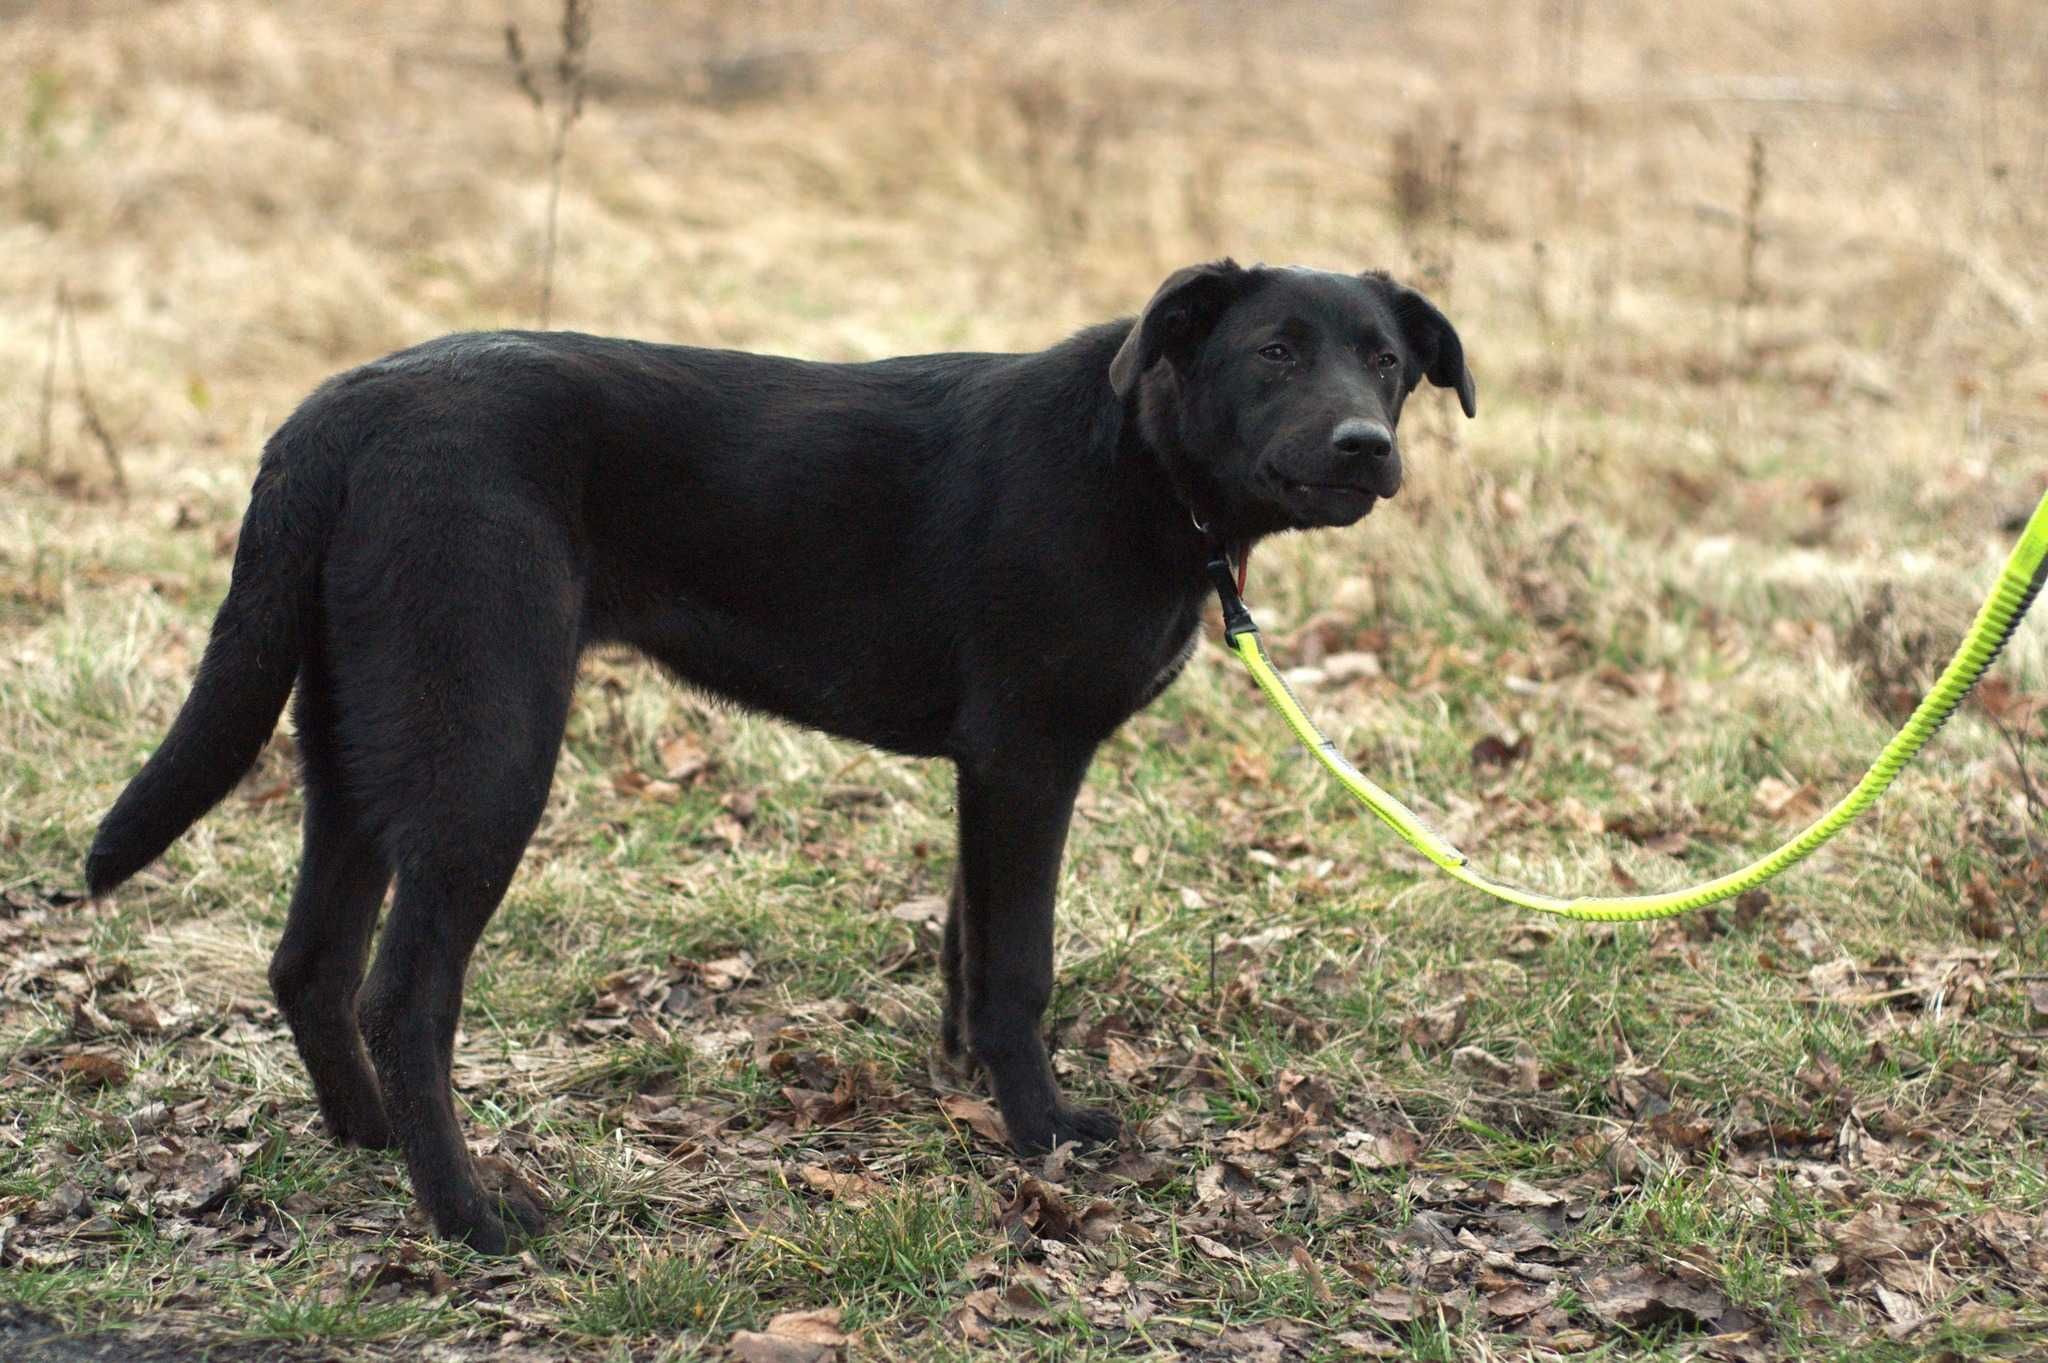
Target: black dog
(991,558)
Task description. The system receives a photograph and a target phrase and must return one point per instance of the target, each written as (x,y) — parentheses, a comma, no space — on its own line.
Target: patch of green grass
(661,1295)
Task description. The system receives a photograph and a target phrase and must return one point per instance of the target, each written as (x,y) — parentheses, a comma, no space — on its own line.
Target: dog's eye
(1277,353)
(1386,359)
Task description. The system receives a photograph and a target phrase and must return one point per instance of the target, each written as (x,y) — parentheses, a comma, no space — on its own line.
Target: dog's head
(1271,395)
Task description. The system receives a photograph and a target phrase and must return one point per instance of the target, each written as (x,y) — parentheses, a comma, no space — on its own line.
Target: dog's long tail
(250,663)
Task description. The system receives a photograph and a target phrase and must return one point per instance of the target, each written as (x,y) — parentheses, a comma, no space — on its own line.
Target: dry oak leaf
(1523,1074)
(1224,1181)
(1786,800)
(985,1306)
(976,1113)
(927,912)
(1434,1029)
(1637,1297)
(852,1189)
(93,1069)
(1393,1147)
(793,1337)
(682,757)
(1041,1210)
(1126,1062)
(857,1086)
(199,1181)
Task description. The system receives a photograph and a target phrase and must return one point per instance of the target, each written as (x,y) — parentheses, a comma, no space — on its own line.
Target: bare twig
(63,317)
(1453,172)
(1575,41)
(85,403)
(1752,224)
(522,71)
(43,443)
(572,83)
(1785,90)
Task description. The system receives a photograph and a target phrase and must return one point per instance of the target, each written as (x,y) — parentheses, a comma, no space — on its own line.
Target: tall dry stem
(572,73)
(63,318)
(1752,225)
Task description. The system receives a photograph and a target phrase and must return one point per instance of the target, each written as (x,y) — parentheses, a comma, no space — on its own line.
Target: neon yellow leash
(2019,582)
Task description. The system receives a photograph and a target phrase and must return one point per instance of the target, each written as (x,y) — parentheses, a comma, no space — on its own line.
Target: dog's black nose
(1358,437)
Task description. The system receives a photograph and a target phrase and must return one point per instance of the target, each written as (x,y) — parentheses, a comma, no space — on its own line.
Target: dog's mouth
(1328,504)
(1333,490)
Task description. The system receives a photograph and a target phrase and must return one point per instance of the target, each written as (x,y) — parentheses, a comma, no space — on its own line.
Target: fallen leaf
(926,911)
(1363,1345)
(134,1012)
(1305,1264)
(199,1181)
(986,1121)
(792,1337)
(1042,1210)
(1433,1029)
(1499,753)
(1393,1147)
(853,1189)
(1518,1300)
(1127,1062)
(1518,1074)
(1145,1170)
(1398,1305)
(1785,800)
(1637,1297)
(726,972)
(93,1069)
(682,757)
(1224,1181)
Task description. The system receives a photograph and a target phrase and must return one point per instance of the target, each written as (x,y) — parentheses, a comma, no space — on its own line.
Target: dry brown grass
(1721,415)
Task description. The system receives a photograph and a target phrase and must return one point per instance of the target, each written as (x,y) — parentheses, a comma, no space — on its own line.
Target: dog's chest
(1133,663)
(1168,671)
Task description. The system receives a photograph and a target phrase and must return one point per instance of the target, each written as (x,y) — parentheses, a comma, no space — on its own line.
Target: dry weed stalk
(572,71)
(1752,225)
(1409,184)
(1566,20)
(1063,138)
(1454,222)
(63,317)
(1201,190)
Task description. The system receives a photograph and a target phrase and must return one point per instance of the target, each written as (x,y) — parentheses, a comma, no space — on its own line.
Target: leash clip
(1236,619)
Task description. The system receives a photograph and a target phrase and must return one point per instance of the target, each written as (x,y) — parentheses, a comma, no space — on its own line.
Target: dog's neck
(1150,512)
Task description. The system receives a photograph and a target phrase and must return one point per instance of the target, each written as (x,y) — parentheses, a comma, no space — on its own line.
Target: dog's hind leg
(952,1025)
(318,966)
(474,687)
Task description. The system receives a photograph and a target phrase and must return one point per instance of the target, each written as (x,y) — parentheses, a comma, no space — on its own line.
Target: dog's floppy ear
(1177,318)
(1436,345)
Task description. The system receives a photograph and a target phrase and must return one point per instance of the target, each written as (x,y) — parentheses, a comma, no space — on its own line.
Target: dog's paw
(484,1232)
(1090,1126)
(518,1217)
(496,1213)
(1087,1127)
(517,1201)
(365,1126)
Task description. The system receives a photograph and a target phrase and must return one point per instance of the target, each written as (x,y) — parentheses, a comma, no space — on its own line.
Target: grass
(1663,554)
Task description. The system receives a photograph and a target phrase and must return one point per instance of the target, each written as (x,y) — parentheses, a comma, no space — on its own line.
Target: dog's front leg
(1014,810)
